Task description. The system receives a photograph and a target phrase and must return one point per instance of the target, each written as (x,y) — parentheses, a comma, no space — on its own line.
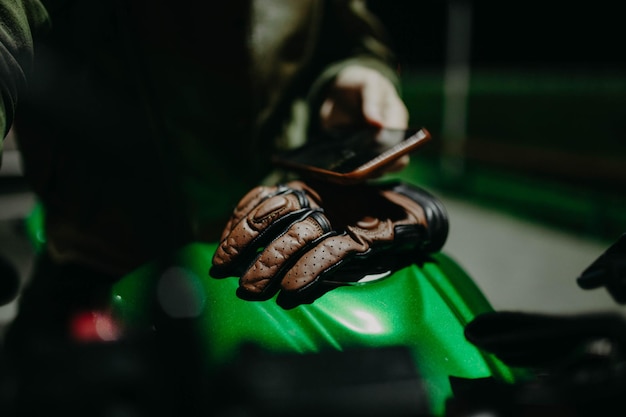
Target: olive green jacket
(142,123)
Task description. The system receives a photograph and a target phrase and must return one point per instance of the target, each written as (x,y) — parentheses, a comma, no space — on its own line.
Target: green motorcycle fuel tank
(422,307)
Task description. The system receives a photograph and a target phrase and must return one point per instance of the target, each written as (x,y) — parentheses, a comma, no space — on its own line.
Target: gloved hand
(296,236)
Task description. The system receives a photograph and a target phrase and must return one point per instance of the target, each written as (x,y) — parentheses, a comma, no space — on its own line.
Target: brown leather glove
(295,236)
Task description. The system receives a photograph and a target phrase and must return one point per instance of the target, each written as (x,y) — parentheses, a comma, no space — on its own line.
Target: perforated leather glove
(294,237)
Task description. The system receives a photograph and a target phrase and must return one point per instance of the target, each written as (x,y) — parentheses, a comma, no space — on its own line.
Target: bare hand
(361,97)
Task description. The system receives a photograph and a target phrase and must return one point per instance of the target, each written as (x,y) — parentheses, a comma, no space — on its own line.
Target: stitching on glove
(228,262)
(254,288)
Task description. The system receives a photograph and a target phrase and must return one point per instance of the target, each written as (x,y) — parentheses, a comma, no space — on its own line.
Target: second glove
(295,236)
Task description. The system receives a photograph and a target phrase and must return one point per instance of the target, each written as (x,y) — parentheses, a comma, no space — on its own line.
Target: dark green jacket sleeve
(19,19)
(352,35)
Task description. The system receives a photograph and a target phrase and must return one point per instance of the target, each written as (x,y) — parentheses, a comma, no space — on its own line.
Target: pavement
(521,265)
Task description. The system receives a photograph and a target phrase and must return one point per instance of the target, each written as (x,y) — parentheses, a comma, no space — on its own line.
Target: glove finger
(323,258)
(258,195)
(270,218)
(349,253)
(268,268)
(246,204)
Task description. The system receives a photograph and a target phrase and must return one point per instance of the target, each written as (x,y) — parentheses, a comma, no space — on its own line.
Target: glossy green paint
(424,307)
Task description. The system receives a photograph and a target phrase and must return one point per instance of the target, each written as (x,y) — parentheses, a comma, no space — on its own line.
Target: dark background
(545,129)
(510,34)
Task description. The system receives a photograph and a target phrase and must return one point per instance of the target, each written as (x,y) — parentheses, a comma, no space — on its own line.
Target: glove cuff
(437,221)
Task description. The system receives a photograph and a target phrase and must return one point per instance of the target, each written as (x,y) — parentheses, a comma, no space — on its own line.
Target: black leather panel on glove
(293,237)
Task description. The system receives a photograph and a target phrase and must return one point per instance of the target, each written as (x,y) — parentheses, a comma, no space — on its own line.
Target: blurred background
(526,103)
